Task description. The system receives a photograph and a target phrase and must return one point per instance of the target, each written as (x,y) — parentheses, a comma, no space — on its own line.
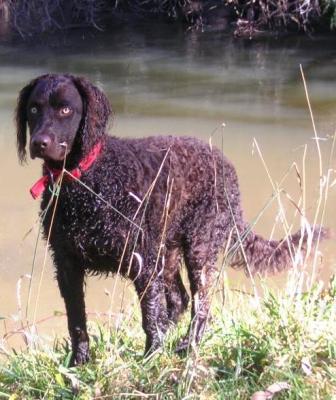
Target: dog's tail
(269,256)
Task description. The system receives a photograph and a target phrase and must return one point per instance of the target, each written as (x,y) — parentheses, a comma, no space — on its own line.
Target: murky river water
(165,82)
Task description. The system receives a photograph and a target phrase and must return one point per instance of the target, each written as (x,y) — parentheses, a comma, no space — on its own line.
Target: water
(166,81)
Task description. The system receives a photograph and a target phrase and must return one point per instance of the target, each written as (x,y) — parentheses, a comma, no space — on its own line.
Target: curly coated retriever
(138,207)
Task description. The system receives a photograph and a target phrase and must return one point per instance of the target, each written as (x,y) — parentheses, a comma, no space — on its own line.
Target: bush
(243,17)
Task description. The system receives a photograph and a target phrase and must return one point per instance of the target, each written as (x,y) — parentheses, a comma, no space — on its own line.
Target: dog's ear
(96,113)
(21,120)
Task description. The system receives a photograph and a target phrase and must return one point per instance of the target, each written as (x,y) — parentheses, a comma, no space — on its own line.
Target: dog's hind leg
(177,298)
(201,280)
(200,256)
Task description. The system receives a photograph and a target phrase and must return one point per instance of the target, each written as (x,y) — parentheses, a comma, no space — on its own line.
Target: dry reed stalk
(324,180)
(57,187)
(143,203)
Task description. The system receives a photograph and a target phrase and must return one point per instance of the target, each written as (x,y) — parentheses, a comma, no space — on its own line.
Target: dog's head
(66,116)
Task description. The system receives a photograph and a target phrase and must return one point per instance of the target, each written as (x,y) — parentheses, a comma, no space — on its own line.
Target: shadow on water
(168,81)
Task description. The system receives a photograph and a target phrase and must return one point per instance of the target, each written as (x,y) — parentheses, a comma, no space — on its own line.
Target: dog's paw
(183,347)
(80,355)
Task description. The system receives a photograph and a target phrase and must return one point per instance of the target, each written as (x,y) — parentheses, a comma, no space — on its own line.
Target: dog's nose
(41,143)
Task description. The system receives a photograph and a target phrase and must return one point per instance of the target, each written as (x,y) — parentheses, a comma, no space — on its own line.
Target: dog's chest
(91,225)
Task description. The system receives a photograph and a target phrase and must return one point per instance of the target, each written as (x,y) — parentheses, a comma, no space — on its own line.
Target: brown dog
(147,204)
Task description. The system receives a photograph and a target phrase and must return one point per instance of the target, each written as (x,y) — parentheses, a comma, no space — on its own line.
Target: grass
(250,344)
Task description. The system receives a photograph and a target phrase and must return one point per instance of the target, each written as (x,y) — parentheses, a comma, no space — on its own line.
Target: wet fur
(190,214)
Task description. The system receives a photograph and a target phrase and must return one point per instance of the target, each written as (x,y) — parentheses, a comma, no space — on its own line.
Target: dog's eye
(65,110)
(33,110)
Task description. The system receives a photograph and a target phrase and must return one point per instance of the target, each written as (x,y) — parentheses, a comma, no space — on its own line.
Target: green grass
(249,345)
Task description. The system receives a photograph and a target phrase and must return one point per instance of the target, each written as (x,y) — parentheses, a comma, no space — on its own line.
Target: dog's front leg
(70,279)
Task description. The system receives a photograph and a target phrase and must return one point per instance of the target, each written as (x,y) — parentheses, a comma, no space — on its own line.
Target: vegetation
(329,9)
(254,348)
(243,17)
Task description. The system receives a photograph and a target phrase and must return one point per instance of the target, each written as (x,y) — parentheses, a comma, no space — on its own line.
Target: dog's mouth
(55,152)
(64,146)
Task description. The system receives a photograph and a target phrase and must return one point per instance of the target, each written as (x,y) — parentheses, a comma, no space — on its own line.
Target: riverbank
(240,17)
(281,344)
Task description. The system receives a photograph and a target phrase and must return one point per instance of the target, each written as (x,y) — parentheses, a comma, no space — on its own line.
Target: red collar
(52,174)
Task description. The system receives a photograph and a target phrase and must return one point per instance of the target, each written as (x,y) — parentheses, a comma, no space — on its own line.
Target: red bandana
(52,174)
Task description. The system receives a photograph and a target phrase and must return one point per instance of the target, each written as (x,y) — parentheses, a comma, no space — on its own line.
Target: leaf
(278,387)
(75,383)
(270,391)
(261,395)
(306,366)
(59,379)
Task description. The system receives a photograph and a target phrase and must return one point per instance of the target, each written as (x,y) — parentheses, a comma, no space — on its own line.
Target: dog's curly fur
(189,211)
